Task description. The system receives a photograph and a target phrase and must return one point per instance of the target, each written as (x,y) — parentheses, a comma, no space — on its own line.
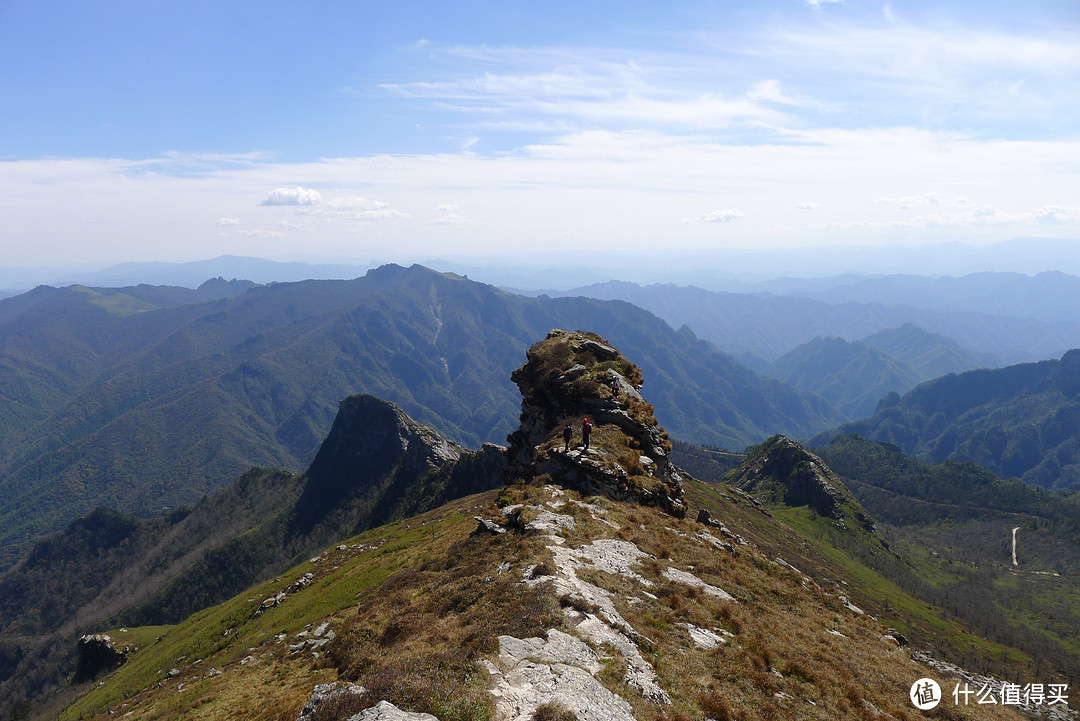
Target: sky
(139,130)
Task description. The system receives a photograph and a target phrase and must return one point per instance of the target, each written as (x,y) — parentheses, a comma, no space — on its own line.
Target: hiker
(614,387)
(586,429)
(567,434)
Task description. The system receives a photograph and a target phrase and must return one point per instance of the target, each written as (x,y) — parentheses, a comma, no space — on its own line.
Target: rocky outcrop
(782,471)
(378,464)
(97,654)
(571,376)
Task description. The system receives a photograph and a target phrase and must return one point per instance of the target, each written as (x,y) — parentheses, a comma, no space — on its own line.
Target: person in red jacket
(586,429)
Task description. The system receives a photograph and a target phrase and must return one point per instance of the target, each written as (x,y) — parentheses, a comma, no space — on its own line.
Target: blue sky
(356,131)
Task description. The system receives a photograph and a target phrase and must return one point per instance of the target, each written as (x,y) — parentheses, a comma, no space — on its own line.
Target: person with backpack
(567,434)
(586,429)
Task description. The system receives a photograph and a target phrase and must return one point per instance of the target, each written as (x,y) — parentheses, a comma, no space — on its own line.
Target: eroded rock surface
(568,377)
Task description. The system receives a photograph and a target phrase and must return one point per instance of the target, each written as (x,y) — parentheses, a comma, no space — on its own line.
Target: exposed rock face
(97,654)
(375,450)
(570,376)
(783,471)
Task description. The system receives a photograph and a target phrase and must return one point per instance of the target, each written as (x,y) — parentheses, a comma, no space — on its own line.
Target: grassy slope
(811,544)
(423,594)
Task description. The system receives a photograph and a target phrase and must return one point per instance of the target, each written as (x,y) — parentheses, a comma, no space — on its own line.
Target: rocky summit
(572,376)
(782,471)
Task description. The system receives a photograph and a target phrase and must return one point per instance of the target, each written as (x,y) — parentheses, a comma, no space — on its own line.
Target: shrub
(553,711)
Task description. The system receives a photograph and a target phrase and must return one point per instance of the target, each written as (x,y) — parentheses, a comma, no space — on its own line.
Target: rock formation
(98,653)
(570,376)
(377,463)
(782,471)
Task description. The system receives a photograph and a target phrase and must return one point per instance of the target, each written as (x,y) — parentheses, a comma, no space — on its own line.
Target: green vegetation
(110,569)
(1022,421)
(851,376)
(952,525)
(143,410)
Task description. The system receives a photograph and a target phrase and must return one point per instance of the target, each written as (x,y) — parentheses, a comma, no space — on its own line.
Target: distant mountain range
(853,377)
(766,326)
(1048,296)
(122,397)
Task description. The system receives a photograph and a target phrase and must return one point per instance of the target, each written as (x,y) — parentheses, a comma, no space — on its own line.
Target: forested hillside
(141,409)
(1021,421)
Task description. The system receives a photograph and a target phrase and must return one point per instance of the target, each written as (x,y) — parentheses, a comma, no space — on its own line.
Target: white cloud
(808,206)
(816,4)
(224,222)
(292,196)
(720,216)
(447,207)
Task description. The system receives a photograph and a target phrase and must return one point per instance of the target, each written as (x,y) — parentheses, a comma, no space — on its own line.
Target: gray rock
(559,647)
(529,685)
(386,711)
(327,691)
(486,526)
(703,637)
(689,579)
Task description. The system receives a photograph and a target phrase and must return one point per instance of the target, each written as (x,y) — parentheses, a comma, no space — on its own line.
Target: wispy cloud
(720,216)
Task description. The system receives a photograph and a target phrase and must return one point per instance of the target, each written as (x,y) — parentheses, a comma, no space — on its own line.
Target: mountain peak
(370,441)
(577,380)
(783,471)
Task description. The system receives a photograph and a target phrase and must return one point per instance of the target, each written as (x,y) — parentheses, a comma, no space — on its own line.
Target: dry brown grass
(416,641)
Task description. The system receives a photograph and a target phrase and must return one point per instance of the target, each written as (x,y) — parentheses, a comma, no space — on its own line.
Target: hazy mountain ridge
(855,376)
(1048,296)
(185,398)
(769,325)
(930,355)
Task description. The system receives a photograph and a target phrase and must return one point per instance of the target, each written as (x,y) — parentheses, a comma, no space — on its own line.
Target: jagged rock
(97,654)
(899,638)
(568,377)
(486,526)
(781,470)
